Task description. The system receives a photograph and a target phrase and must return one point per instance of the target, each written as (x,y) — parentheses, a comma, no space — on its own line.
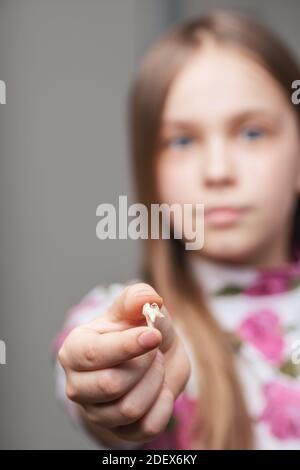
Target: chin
(228,252)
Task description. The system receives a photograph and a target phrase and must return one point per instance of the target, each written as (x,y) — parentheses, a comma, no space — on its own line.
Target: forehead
(222,80)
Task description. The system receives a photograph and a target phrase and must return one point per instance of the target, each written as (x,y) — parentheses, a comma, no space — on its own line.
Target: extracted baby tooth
(151,312)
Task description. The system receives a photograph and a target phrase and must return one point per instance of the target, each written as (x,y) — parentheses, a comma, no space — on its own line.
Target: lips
(224,215)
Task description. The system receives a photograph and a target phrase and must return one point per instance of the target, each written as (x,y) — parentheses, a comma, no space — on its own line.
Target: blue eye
(253,133)
(182,141)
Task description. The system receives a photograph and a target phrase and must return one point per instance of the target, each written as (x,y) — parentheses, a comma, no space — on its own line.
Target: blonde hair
(222,420)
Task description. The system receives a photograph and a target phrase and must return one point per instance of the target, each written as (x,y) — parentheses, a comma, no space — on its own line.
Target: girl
(212,121)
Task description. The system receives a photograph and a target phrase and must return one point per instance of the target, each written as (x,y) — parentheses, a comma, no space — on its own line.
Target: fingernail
(149,339)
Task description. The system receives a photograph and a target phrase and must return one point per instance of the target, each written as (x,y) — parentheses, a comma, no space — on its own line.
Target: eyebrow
(235,119)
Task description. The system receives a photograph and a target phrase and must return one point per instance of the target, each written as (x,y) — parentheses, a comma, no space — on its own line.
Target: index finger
(128,305)
(126,311)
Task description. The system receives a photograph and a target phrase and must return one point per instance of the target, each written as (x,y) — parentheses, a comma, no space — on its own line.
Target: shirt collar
(218,278)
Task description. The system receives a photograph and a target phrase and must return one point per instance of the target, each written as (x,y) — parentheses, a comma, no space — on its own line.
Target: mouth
(224,216)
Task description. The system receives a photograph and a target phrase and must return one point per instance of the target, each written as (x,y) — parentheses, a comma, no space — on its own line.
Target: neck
(268,276)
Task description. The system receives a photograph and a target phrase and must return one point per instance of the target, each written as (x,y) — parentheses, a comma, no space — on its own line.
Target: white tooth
(151,312)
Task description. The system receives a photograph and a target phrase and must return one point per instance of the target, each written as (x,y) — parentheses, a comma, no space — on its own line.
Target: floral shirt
(261,310)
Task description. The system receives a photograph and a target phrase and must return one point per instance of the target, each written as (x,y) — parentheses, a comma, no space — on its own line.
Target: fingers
(166,327)
(95,387)
(86,349)
(178,368)
(153,423)
(116,377)
(134,404)
(128,305)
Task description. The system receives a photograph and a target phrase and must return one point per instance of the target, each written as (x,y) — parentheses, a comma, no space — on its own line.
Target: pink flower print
(275,281)
(262,329)
(269,283)
(185,412)
(282,410)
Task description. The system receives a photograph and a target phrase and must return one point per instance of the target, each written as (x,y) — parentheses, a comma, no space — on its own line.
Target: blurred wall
(67,65)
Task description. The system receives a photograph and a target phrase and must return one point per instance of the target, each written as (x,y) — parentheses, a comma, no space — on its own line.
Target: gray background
(67,65)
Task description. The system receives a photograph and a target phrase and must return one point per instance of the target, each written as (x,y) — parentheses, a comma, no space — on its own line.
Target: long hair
(222,420)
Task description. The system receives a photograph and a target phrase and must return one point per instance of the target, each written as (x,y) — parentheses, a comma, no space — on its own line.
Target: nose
(218,166)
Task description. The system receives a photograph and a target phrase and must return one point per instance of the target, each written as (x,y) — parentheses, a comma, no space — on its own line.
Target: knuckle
(68,347)
(168,396)
(90,354)
(91,415)
(109,384)
(129,410)
(71,338)
(151,430)
(71,392)
(61,356)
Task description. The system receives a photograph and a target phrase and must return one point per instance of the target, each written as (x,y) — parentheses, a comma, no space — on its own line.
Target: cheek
(271,175)
(177,181)
(273,197)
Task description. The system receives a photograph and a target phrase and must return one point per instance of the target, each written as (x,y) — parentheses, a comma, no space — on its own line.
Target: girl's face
(230,139)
